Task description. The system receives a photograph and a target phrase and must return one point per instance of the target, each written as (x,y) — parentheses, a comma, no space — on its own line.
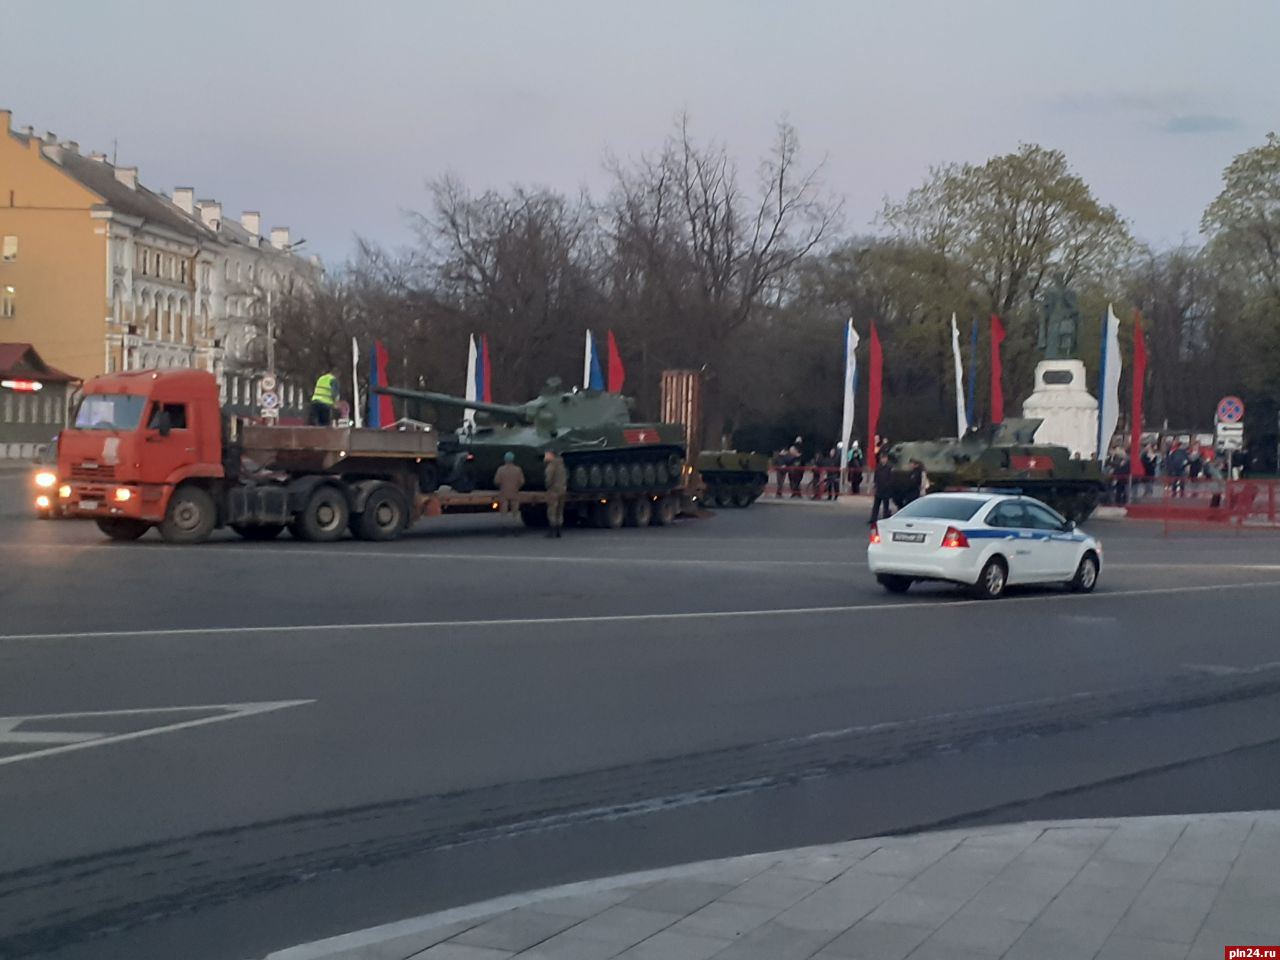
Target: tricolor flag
(478,384)
(381,412)
(1109,378)
(850,392)
(592,375)
(962,422)
(616,372)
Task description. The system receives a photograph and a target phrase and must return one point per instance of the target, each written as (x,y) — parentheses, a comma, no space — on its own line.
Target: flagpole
(355,382)
(1102,385)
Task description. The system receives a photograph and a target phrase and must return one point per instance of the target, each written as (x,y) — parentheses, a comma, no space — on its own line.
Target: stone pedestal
(1069,413)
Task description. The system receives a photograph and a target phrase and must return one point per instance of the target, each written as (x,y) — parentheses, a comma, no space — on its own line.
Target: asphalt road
(235,747)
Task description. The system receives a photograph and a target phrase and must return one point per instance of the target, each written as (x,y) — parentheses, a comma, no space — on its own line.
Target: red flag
(386,412)
(616,373)
(997,373)
(1139,381)
(488,386)
(873,389)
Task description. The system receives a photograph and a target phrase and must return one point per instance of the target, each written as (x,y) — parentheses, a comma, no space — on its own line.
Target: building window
(9,249)
(8,302)
(144,259)
(182,273)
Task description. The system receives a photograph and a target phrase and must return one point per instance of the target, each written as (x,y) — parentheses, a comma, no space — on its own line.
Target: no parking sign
(1230,410)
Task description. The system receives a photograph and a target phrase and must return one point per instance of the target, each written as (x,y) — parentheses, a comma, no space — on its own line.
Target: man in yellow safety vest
(323,399)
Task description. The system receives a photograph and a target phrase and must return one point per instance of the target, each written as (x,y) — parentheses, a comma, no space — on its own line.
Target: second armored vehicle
(1005,456)
(732,478)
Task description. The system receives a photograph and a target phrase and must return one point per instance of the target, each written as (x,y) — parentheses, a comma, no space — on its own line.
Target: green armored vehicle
(1004,456)
(606,454)
(732,478)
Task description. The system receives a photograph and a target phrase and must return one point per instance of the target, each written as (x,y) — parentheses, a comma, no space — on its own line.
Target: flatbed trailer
(153,449)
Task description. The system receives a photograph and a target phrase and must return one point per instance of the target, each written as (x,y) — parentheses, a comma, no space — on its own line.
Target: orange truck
(153,448)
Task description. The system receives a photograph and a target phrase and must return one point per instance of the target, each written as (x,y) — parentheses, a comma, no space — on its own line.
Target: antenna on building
(114,144)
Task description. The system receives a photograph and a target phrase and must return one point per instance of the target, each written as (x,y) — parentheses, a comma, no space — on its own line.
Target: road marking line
(905,605)
(231,711)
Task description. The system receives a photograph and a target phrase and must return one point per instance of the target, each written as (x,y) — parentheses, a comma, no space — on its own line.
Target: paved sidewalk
(1126,889)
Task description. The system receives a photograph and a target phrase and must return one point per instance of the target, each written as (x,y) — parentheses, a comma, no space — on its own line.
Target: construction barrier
(1182,501)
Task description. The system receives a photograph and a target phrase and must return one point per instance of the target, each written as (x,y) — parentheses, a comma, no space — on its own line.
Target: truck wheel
(428,476)
(665,511)
(191,516)
(324,518)
(639,512)
(534,514)
(258,531)
(384,516)
(611,514)
(123,528)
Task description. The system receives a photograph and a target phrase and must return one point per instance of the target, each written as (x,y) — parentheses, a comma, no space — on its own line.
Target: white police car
(986,541)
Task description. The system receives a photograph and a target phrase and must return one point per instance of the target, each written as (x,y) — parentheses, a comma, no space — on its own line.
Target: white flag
(586,363)
(469,414)
(850,391)
(1109,379)
(355,383)
(962,420)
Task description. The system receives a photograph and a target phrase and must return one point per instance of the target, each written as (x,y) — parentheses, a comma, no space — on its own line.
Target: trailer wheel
(665,511)
(123,528)
(191,516)
(534,514)
(610,515)
(324,518)
(639,512)
(258,531)
(384,516)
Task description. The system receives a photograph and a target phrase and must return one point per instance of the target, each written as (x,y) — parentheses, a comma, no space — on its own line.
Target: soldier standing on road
(883,481)
(555,478)
(323,399)
(509,479)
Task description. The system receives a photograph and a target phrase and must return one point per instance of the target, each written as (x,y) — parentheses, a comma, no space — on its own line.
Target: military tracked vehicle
(732,478)
(1004,456)
(605,452)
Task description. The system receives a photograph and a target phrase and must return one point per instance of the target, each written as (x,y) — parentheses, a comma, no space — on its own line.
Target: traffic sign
(1230,410)
(269,400)
(268,382)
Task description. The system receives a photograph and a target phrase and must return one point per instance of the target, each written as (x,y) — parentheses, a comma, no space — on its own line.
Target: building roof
(100,177)
(19,361)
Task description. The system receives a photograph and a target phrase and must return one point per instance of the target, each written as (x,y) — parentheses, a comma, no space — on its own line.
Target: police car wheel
(1086,577)
(991,581)
(894,583)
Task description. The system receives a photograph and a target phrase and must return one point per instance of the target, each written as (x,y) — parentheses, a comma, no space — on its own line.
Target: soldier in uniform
(555,478)
(508,479)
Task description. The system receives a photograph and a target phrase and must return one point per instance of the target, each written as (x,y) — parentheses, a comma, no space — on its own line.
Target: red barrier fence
(1201,502)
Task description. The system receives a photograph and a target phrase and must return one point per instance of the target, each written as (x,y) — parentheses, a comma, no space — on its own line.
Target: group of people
(509,480)
(1181,465)
(790,467)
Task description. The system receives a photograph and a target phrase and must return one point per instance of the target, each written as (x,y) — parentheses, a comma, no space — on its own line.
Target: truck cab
(137,437)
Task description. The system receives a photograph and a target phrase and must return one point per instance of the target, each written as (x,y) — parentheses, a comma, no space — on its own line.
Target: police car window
(1007,515)
(1040,518)
(942,508)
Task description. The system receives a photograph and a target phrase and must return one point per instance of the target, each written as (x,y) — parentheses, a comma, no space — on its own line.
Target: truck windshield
(110,411)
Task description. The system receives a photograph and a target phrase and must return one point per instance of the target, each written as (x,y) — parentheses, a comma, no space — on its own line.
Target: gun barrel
(445,400)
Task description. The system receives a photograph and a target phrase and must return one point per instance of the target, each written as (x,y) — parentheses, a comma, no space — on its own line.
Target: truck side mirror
(164,423)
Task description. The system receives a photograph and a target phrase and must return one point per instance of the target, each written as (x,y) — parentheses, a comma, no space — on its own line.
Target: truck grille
(93,474)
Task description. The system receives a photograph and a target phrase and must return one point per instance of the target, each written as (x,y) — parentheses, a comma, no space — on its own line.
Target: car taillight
(954,538)
(875,534)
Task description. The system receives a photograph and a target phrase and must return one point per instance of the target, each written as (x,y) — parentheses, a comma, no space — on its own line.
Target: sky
(331,117)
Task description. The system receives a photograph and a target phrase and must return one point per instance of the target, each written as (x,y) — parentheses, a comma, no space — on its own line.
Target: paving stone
(458,951)
(771,890)
(1041,877)
(773,941)
(1116,874)
(822,867)
(1006,901)
(585,905)
(1135,850)
(516,930)
(1133,948)
(984,934)
(724,919)
(566,946)
(1087,903)
(669,945)
(1041,942)
(842,902)
(737,871)
(1060,856)
(398,948)
(1214,839)
(929,950)
(1075,836)
(679,896)
(1207,871)
(906,860)
(870,940)
(949,880)
(624,925)
(916,910)
(1251,918)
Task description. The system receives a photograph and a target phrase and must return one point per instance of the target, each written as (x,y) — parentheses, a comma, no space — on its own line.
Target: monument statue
(1059,321)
